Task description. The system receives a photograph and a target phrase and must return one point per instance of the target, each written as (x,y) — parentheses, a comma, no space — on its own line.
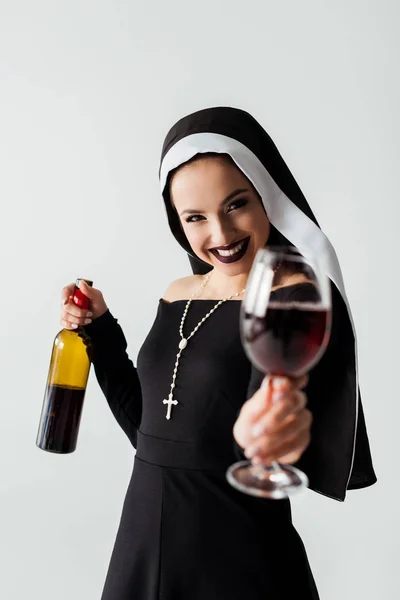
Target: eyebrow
(191,211)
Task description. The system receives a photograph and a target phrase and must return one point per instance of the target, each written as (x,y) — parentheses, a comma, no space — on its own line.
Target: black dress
(185,533)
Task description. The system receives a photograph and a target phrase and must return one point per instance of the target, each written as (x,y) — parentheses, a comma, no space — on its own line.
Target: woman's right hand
(72,316)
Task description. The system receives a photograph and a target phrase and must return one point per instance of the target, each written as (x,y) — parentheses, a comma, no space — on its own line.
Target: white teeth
(231,252)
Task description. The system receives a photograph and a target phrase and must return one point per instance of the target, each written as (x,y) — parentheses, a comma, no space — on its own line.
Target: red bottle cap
(79,298)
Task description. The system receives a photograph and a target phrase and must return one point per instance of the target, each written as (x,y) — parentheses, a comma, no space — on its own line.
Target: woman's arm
(116,373)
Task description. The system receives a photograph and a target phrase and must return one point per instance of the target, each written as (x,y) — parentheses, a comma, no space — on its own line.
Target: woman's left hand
(274,424)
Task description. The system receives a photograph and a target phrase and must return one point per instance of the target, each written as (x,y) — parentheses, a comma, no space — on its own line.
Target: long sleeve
(116,373)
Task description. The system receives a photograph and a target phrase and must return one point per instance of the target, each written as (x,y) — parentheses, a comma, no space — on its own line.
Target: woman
(185,534)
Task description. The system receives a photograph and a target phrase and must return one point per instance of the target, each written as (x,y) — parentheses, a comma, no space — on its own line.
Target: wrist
(99,312)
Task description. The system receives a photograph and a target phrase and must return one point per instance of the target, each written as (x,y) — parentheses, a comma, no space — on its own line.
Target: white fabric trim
(282,212)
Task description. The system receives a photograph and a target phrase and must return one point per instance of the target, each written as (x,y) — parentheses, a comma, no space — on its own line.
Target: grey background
(88,90)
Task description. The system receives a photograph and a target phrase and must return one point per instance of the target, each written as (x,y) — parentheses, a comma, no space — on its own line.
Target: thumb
(87,289)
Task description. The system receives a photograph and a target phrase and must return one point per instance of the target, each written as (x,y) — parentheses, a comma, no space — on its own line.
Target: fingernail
(89,314)
(257,430)
(279,382)
(74,325)
(87,321)
(265,384)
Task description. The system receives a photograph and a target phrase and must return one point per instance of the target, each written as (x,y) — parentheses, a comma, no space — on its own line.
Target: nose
(222,233)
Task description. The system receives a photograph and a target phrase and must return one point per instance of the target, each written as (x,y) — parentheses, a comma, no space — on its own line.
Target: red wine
(60,419)
(288,340)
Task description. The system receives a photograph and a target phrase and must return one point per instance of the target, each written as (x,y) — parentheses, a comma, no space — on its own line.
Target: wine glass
(285,324)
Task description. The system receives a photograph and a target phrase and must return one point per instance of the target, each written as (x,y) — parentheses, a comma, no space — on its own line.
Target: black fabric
(185,533)
(115,373)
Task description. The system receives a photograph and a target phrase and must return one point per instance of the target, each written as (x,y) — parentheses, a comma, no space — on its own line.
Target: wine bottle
(66,386)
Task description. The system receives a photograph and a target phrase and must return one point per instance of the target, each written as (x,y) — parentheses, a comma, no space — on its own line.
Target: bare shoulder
(182,289)
(296,278)
(292,280)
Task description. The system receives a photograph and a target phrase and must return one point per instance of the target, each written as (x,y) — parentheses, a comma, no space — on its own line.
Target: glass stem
(275,465)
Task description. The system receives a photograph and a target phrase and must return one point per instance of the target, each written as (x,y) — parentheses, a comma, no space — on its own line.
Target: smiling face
(220,213)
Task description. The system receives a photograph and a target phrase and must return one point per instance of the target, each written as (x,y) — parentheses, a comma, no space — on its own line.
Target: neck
(223,286)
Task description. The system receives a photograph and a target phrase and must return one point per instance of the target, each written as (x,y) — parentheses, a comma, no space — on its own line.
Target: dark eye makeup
(232,206)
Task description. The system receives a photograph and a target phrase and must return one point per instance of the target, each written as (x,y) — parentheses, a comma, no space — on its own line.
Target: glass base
(266,482)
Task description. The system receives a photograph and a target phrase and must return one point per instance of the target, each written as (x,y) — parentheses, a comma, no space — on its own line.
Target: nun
(189,405)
